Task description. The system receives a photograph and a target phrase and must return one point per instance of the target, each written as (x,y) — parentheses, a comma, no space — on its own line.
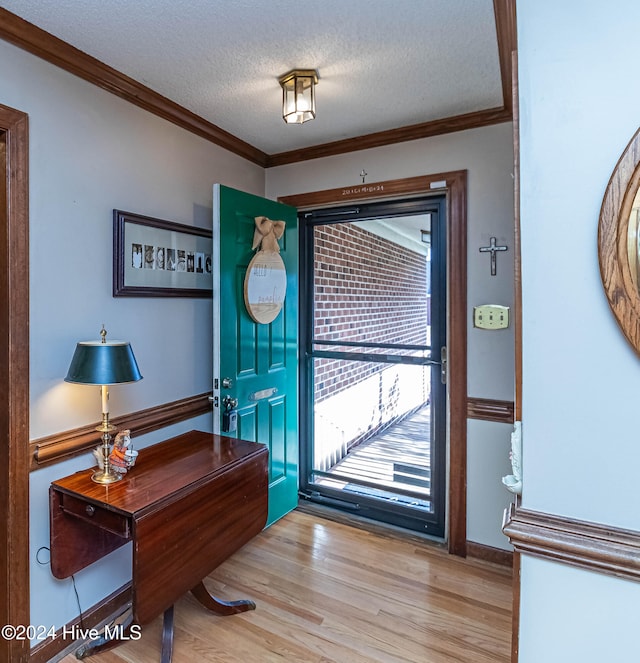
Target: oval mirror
(619,242)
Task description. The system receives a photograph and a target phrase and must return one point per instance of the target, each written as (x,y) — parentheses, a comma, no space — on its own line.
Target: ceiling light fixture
(299,95)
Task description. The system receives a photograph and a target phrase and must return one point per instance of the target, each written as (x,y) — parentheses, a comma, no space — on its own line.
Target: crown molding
(505,13)
(29,37)
(32,39)
(402,134)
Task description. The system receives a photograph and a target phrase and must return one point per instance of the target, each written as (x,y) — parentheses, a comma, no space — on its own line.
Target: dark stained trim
(454,184)
(413,132)
(114,604)
(29,37)
(593,546)
(420,184)
(457,360)
(14,380)
(489,554)
(505,13)
(517,276)
(517,285)
(490,410)
(61,446)
(505,16)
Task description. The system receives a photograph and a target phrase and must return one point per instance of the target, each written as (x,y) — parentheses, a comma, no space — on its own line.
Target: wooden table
(187,505)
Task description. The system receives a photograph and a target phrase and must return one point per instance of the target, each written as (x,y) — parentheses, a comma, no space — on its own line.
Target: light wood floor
(330,593)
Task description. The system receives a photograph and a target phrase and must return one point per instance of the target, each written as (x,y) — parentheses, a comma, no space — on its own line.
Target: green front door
(257,364)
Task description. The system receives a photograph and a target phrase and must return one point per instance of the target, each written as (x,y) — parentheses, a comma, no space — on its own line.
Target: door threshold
(361,522)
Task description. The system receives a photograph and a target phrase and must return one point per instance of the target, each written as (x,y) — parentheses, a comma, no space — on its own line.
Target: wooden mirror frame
(613,228)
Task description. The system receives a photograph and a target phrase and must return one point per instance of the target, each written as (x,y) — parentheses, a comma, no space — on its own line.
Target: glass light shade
(299,96)
(100,363)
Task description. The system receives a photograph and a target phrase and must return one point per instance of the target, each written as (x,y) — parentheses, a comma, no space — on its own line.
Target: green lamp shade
(100,363)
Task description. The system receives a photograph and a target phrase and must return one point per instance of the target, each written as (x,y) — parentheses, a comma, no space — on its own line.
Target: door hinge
(443,364)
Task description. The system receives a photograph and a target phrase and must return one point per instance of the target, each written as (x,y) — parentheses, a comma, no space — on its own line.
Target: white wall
(91,152)
(579,101)
(581,617)
(487,154)
(488,444)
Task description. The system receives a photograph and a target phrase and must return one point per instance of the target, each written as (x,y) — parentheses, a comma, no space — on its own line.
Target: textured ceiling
(383,64)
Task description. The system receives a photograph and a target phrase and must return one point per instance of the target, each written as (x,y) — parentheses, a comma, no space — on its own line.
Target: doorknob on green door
(230,403)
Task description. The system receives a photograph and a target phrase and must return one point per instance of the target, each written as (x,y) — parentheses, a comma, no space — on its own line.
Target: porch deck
(396,460)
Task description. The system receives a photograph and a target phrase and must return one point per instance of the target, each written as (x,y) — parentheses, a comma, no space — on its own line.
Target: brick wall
(367,289)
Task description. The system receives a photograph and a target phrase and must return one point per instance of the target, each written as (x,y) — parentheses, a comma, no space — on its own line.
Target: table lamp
(103,363)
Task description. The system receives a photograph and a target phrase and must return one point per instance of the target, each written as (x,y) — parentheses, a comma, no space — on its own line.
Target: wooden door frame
(14,382)
(517,279)
(454,186)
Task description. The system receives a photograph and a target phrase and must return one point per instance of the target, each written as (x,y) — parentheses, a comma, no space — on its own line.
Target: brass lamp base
(100,476)
(106,475)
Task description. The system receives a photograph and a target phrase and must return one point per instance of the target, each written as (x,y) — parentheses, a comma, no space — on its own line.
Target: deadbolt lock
(230,403)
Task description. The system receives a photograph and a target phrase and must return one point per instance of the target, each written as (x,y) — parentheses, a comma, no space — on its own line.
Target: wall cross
(492,248)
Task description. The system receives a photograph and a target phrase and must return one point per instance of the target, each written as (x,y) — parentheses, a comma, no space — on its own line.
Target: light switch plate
(491,316)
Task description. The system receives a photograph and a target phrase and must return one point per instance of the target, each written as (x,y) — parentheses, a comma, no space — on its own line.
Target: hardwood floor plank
(329,593)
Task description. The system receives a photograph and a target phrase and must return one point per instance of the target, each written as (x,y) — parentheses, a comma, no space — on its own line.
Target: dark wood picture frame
(157,258)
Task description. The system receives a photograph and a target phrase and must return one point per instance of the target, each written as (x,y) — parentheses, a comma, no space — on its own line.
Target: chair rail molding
(490,409)
(61,446)
(593,546)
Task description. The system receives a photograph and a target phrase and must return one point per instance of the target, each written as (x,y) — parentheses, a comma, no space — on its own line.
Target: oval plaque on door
(265,283)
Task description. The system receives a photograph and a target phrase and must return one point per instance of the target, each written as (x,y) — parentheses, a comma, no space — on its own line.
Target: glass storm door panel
(375,405)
